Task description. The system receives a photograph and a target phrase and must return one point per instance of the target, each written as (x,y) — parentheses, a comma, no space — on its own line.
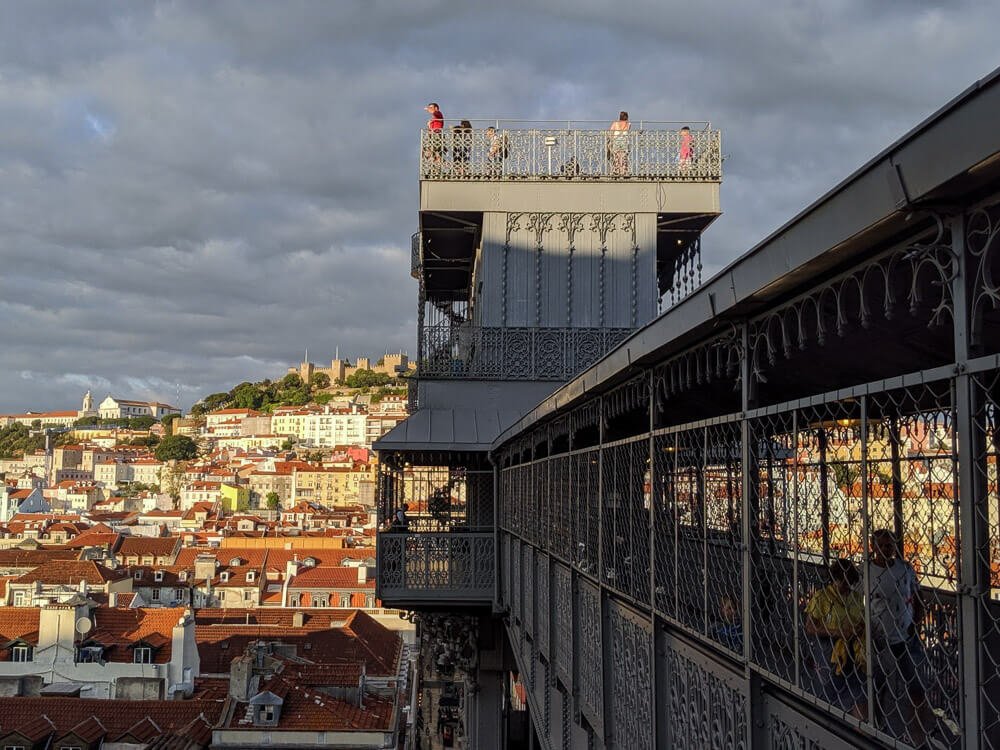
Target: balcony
(431,568)
(445,554)
(650,151)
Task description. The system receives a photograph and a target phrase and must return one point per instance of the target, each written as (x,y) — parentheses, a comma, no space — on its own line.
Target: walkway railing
(418,567)
(646,152)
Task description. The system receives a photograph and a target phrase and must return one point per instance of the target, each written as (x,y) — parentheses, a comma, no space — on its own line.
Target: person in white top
(896,612)
(618,145)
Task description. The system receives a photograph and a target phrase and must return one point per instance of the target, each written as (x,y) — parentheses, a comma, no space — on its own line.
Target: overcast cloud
(192,193)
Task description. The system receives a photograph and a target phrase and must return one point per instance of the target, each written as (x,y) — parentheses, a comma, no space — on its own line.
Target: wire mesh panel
(688,481)
(986,425)
(665,547)
(562,516)
(773,603)
(505,571)
(723,519)
(515,581)
(543,605)
(591,655)
(625,507)
(528,578)
(911,478)
(631,675)
(586,494)
(562,593)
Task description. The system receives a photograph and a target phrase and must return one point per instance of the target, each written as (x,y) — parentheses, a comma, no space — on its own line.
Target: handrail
(498,122)
(641,153)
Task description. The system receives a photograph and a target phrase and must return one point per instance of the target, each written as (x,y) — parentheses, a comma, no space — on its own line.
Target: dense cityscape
(225,557)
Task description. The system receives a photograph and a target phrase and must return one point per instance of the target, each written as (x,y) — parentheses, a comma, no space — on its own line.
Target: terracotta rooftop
(71,572)
(116,716)
(143,546)
(117,629)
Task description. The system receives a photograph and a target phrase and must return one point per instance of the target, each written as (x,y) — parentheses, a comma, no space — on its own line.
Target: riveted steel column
(974,573)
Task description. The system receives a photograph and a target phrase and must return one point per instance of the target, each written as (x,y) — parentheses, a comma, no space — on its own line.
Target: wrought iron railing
(647,152)
(436,567)
(416,258)
(494,353)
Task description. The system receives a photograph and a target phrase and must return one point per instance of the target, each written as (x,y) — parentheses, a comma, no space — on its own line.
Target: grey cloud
(193,193)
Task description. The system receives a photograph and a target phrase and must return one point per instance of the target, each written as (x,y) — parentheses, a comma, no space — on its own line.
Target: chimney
(83,587)
(362,574)
(298,619)
(113,599)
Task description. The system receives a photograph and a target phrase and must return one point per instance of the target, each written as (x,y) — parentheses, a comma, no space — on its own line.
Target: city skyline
(196,195)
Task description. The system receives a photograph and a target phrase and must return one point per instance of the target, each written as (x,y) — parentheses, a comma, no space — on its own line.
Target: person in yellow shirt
(836,616)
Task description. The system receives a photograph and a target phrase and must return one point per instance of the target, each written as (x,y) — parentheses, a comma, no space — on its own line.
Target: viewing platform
(503,150)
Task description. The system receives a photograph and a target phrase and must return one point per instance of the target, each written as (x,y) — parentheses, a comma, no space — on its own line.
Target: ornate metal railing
(416,567)
(580,154)
(494,353)
(416,257)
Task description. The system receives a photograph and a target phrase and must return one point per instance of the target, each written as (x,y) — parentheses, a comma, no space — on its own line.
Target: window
(156,595)
(142,656)
(179,595)
(158,576)
(18,598)
(251,576)
(247,594)
(137,575)
(268,713)
(13,747)
(20,653)
(224,576)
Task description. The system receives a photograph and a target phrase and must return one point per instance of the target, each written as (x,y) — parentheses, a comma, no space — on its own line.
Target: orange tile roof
(117,716)
(71,572)
(146,545)
(118,628)
(325,577)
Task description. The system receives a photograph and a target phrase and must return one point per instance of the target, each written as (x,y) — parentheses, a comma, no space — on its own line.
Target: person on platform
(435,140)
(836,616)
(896,613)
(618,145)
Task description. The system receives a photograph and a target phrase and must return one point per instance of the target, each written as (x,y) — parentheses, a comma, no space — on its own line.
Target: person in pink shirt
(685,149)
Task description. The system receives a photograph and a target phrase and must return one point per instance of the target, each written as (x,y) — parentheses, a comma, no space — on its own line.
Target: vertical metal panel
(530,600)
(543,606)
(631,678)
(562,591)
(591,655)
(706,704)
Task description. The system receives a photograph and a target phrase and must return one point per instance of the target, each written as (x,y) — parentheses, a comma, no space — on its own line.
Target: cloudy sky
(193,193)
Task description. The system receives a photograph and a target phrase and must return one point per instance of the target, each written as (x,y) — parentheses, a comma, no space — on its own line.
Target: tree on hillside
(176,448)
(211,402)
(141,423)
(168,422)
(16,440)
(366,379)
(247,396)
(291,380)
(273,501)
(320,380)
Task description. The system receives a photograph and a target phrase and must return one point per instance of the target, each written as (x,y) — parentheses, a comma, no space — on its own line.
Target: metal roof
(448,430)
(952,151)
